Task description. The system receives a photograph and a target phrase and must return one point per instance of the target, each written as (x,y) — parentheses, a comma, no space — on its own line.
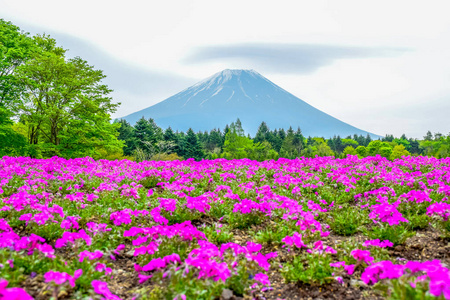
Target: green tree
(438,136)
(324,150)
(275,139)
(388,138)
(386,151)
(193,148)
(367,140)
(317,147)
(398,152)
(428,147)
(349,142)
(237,127)
(339,147)
(403,141)
(288,148)
(378,147)
(64,104)
(12,143)
(239,146)
(147,133)
(428,136)
(236,146)
(126,134)
(374,148)
(169,135)
(214,143)
(360,139)
(16,47)
(414,146)
(349,150)
(299,140)
(361,151)
(262,133)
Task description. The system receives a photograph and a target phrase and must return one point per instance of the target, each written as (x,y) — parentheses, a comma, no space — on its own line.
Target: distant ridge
(247,95)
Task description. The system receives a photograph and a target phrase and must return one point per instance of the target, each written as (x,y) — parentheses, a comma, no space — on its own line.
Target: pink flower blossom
(101,288)
(12,293)
(262,278)
(362,255)
(90,255)
(61,277)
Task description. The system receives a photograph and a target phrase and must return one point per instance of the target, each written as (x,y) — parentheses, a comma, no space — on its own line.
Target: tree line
(146,140)
(52,105)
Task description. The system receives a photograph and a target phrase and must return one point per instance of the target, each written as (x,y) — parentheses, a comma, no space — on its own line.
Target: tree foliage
(62,102)
(16,47)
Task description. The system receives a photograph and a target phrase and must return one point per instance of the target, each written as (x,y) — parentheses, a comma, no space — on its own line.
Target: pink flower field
(225,229)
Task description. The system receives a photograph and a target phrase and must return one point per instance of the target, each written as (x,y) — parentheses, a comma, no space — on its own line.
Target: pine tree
(288,148)
(338,144)
(282,134)
(193,148)
(170,136)
(226,130)
(126,134)
(181,143)
(146,131)
(237,128)
(367,140)
(299,140)
(216,139)
(428,136)
(261,134)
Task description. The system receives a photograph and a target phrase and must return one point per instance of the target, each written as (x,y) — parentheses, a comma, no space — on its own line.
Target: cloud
(134,86)
(286,58)
(123,76)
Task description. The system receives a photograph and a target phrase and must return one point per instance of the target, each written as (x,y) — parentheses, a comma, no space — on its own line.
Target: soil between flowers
(426,245)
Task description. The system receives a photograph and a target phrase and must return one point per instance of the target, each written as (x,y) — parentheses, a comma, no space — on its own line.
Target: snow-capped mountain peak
(233,93)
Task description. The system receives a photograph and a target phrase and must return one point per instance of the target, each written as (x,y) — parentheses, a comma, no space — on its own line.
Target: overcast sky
(382,66)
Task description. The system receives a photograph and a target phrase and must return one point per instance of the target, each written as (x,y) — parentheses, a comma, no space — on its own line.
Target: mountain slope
(245,94)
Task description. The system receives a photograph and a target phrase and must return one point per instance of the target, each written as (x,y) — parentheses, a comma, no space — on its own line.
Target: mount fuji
(247,95)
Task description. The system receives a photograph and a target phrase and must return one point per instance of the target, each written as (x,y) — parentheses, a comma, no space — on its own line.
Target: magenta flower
(253,247)
(119,248)
(382,270)
(143,278)
(441,209)
(337,264)
(90,255)
(377,243)
(296,240)
(4,226)
(350,269)
(156,263)
(262,278)
(386,212)
(318,245)
(168,204)
(102,267)
(262,261)
(12,293)
(362,255)
(61,277)
(72,237)
(101,288)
